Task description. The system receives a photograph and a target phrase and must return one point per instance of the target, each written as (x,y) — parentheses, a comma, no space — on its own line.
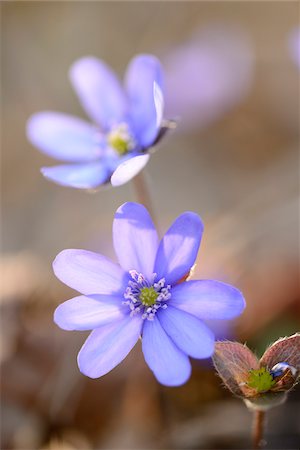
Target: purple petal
(159,104)
(190,334)
(87,313)
(107,346)
(135,238)
(129,169)
(169,364)
(64,137)
(144,87)
(208,299)
(80,176)
(294,45)
(178,249)
(207,75)
(99,91)
(89,273)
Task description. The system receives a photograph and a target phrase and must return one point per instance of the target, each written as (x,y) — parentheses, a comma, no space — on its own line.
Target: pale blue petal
(135,238)
(64,137)
(159,104)
(129,169)
(168,363)
(208,299)
(99,91)
(178,249)
(89,273)
(190,334)
(87,313)
(80,176)
(107,346)
(144,88)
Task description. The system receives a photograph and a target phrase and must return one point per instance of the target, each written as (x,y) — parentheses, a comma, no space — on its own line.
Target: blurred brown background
(237,168)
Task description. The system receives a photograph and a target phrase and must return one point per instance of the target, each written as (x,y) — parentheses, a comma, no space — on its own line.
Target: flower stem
(258,428)
(142,193)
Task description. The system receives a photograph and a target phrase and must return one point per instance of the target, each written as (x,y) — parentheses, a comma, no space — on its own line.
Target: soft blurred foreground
(232,83)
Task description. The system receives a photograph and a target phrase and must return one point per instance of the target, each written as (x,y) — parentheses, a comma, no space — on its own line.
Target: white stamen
(133,292)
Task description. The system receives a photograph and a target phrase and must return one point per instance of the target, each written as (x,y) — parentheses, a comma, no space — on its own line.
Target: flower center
(260,379)
(145,297)
(120,139)
(148,296)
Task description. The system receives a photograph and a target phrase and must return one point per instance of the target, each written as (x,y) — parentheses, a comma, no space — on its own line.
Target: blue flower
(126,123)
(144,296)
(294,45)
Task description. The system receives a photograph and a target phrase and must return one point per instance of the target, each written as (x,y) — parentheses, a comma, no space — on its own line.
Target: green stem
(258,429)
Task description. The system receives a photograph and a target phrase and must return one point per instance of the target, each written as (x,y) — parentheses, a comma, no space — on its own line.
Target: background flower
(294,46)
(126,123)
(144,296)
(208,75)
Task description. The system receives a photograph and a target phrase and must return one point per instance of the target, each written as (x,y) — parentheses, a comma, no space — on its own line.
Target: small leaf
(233,362)
(285,350)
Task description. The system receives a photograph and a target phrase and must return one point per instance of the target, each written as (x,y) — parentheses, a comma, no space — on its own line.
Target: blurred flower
(206,76)
(145,295)
(294,46)
(127,122)
(261,383)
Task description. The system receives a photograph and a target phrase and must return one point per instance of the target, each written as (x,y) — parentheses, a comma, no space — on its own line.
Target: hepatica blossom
(294,46)
(207,75)
(126,123)
(146,296)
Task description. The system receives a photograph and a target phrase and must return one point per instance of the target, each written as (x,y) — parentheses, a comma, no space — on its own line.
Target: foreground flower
(261,383)
(126,123)
(144,296)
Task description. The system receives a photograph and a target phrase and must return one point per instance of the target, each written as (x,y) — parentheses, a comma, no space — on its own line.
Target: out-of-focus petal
(99,91)
(64,137)
(144,88)
(80,176)
(190,334)
(107,346)
(135,238)
(129,169)
(89,273)
(208,299)
(159,104)
(168,363)
(178,249)
(87,313)
(294,46)
(207,75)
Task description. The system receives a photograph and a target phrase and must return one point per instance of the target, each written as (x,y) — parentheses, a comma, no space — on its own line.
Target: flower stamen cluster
(146,297)
(120,139)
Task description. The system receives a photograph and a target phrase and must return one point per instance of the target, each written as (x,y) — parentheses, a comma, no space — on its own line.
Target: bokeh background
(233,85)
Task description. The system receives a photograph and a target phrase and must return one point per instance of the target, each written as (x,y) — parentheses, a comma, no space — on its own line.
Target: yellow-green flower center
(120,139)
(261,380)
(119,144)
(148,296)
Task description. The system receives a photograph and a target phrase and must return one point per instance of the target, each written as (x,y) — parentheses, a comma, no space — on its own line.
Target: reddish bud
(262,384)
